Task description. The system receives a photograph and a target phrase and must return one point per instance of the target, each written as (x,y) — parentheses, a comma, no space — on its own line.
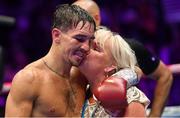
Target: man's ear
(56,33)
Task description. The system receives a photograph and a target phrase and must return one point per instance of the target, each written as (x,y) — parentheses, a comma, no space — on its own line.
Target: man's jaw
(79,57)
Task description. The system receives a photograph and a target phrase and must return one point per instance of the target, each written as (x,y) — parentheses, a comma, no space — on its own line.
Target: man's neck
(56,64)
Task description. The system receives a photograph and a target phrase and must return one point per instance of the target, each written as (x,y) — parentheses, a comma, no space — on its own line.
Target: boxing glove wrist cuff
(129,75)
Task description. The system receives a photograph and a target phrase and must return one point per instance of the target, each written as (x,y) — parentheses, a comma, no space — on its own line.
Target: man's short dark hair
(67,16)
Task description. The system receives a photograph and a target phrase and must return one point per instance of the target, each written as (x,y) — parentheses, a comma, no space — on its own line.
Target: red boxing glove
(112,94)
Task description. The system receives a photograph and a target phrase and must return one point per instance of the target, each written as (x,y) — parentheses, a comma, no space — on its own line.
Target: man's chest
(60,100)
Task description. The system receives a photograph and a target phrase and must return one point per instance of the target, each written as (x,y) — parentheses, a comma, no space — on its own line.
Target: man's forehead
(85,27)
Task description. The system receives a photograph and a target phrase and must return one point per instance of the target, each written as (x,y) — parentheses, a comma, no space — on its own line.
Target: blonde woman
(110,71)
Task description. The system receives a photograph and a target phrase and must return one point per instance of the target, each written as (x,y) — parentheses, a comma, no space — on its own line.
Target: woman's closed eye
(96,47)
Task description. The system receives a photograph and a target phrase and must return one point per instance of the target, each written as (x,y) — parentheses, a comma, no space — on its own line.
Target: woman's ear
(97,19)
(56,33)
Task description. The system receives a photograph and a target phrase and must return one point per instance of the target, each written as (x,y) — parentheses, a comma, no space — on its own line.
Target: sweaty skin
(41,92)
(50,86)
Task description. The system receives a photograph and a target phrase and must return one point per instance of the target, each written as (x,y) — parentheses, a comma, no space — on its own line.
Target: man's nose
(86,46)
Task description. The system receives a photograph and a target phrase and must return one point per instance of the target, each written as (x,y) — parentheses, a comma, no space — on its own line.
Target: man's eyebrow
(80,35)
(84,36)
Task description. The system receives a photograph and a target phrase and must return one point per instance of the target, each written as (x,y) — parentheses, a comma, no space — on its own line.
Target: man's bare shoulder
(29,72)
(27,78)
(24,75)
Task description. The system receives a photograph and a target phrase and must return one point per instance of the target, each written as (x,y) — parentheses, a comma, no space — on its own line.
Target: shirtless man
(48,86)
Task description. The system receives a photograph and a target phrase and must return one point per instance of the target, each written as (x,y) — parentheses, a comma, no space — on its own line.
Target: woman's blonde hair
(121,51)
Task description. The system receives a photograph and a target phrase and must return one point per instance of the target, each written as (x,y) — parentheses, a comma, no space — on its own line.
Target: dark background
(155,23)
